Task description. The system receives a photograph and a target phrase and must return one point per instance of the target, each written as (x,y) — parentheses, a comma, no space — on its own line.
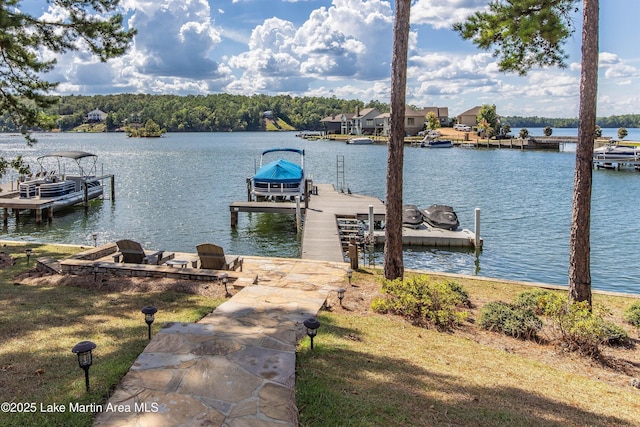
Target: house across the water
(370,121)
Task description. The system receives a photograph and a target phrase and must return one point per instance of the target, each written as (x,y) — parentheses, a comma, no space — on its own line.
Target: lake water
(174,192)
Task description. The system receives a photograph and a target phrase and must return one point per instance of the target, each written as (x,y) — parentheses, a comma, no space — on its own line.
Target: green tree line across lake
(226,112)
(196,113)
(625,120)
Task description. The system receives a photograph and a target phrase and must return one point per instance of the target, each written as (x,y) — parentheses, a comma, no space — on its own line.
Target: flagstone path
(236,366)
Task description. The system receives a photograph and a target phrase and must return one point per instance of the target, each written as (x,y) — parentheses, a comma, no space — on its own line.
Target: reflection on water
(449,260)
(273,234)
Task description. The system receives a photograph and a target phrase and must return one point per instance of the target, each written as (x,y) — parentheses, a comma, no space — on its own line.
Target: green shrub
(615,335)
(632,314)
(510,319)
(583,328)
(461,291)
(423,302)
(540,301)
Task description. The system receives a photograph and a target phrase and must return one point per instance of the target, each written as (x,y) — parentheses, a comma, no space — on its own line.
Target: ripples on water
(173,193)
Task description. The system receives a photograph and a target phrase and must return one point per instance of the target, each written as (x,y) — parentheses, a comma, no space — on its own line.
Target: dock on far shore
(328,214)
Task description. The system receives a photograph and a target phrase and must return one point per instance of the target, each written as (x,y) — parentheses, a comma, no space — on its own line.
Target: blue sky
(343,48)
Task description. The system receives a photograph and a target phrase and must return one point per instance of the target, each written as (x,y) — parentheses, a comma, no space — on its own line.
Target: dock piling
(298,215)
(476,239)
(234,219)
(353,254)
(371,220)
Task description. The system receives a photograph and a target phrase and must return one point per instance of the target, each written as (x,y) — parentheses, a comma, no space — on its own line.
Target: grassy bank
(376,371)
(373,370)
(39,324)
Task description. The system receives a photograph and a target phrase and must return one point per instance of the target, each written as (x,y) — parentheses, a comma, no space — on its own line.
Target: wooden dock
(434,237)
(265,207)
(17,205)
(531,143)
(616,164)
(321,236)
(10,199)
(331,217)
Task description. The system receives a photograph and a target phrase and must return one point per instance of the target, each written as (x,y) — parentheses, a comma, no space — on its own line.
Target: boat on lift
(278,180)
(53,183)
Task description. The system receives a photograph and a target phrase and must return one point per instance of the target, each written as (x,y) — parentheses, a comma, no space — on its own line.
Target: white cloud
(274,34)
(608,58)
(615,67)
(170,54)
(444,13)
(175,38)
(332,42)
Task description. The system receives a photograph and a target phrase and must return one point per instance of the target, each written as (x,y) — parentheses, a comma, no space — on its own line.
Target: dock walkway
(330,218)
(321,238)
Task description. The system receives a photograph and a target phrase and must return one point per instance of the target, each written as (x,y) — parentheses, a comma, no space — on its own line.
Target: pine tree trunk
(393,264)
(579,241)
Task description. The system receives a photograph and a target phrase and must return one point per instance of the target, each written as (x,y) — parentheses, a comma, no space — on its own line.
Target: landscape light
(95,239)
(312,326)
(149,312)
(224,278)
(341,292)
(349,275)
(28,252)
(85,358)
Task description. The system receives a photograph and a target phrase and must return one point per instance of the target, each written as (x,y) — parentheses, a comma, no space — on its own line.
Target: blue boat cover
(281,170)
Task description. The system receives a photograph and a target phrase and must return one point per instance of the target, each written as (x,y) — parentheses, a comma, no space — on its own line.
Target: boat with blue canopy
(280,179)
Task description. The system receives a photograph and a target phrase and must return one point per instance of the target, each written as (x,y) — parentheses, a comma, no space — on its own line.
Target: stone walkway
(236,367)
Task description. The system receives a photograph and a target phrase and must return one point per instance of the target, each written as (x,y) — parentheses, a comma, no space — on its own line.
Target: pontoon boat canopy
(75,155)
(281,170)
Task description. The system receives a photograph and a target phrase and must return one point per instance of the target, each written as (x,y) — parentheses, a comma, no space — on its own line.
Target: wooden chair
(133,253)
(213,257)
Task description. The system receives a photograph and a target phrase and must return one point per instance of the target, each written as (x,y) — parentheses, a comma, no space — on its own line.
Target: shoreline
(427,272)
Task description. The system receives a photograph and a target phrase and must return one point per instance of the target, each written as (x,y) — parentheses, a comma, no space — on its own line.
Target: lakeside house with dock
(370,121)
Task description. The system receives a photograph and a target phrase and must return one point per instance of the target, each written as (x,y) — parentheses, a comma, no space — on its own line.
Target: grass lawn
(40,324)
(366,369)
(374,370)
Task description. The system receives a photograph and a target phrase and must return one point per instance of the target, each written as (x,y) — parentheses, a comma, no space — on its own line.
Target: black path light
(85,358)
(95,239)
(341,292)
(312,326)
(224,277)
(149,313)
(28,252)
(96,269)
(349,275)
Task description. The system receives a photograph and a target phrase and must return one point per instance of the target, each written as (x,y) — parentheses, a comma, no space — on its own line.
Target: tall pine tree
(528,33)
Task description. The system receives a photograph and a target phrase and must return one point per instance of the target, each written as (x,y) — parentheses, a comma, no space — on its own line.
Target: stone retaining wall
(97,252)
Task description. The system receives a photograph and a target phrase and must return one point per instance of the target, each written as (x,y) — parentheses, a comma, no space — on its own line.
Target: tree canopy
(488,119)
(93,25)
(530,33)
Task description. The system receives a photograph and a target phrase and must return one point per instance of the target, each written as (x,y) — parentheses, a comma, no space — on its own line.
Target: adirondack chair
(132,252)
(213,257)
